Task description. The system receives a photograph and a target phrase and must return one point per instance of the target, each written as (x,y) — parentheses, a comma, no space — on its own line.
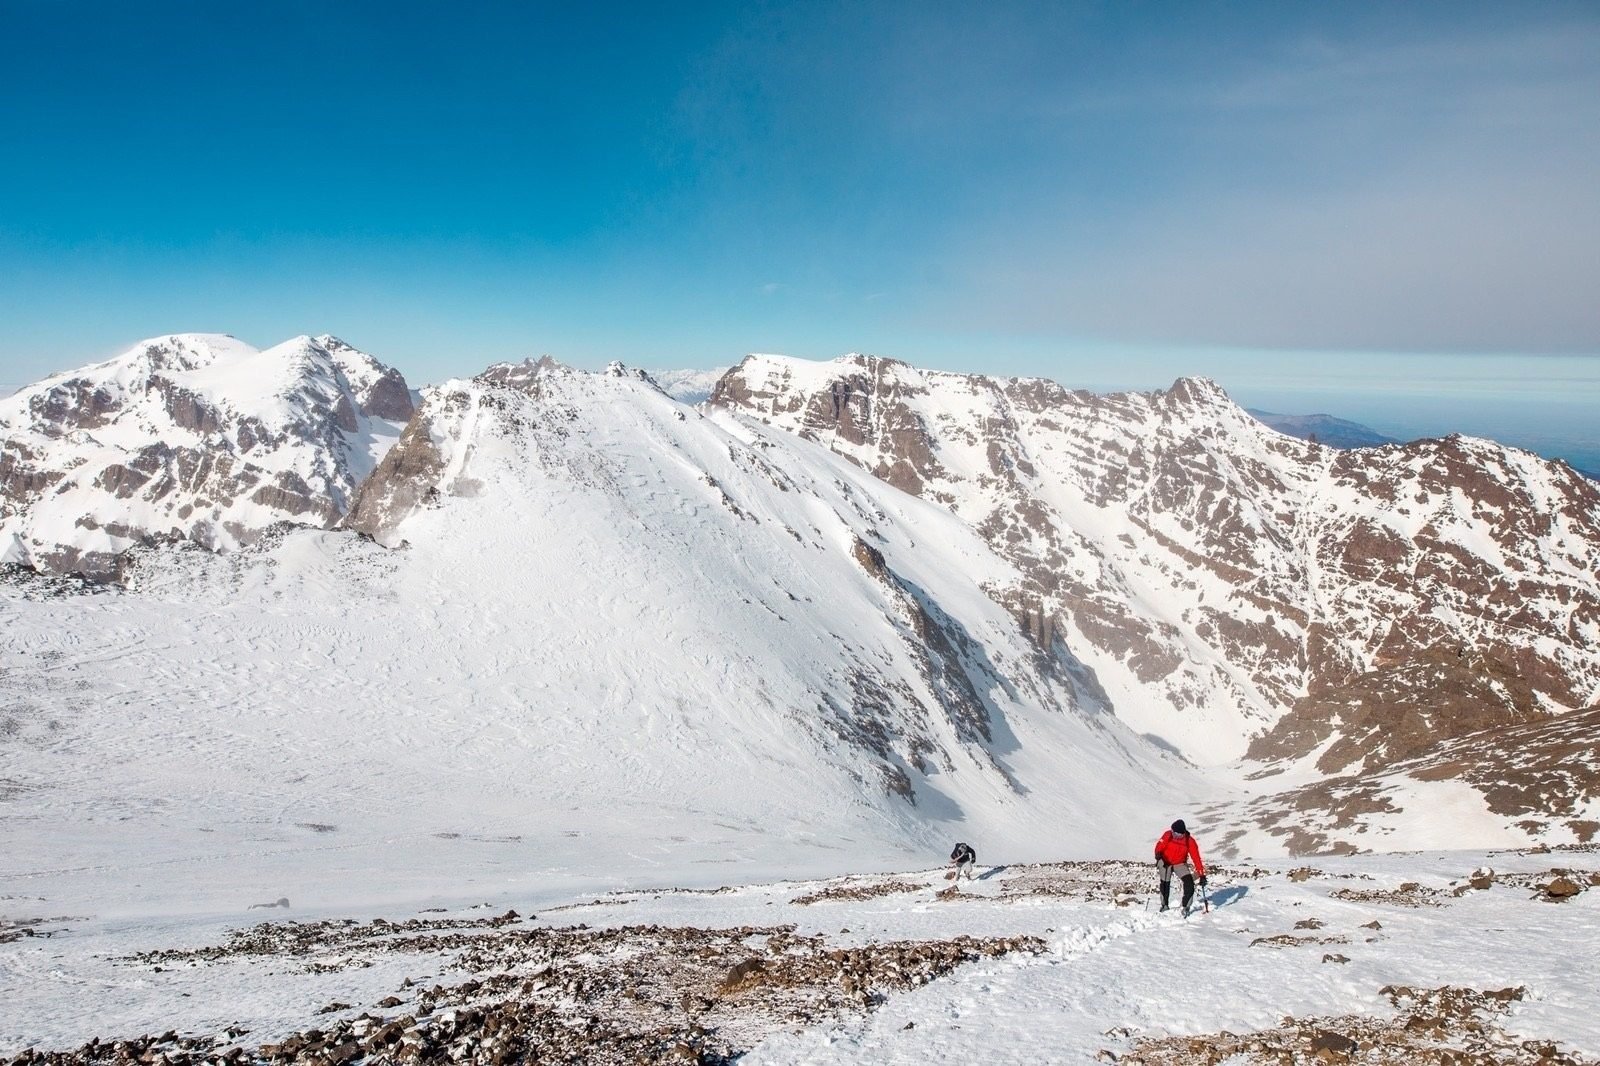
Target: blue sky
(1389,207)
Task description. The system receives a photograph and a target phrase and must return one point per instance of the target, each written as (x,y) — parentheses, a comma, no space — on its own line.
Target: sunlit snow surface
(1109,975)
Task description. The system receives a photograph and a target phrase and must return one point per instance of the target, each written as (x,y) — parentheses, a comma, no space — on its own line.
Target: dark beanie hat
(1178,827)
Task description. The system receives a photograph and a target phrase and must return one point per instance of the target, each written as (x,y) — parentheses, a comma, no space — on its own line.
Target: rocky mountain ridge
(196,437)
(1226,582)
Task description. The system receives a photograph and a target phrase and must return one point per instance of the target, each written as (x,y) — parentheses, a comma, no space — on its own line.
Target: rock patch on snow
(628,995)
(1447,1026)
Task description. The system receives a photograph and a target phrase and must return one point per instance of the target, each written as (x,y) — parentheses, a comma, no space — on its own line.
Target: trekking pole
(1205,895)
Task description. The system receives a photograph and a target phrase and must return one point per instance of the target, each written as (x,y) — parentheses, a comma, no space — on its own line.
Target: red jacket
(1173,850)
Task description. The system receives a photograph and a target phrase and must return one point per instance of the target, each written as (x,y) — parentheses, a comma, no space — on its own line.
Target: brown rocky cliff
(1349,580)
(403,482)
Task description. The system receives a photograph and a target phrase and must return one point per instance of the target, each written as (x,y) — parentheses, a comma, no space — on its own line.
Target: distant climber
(1177,851)
(962,858)
(281,901)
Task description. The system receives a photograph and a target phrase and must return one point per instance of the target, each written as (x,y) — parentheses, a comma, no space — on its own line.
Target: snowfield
(1082,966)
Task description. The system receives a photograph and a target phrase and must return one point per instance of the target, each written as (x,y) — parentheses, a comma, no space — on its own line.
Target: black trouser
(1166,884)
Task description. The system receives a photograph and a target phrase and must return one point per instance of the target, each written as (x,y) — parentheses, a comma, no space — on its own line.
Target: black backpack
(963,853)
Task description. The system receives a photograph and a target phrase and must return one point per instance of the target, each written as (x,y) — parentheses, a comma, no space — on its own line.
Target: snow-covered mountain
(716,578)
(906,603)
(197,437)
(1230,587)
(566,648)
(689,386)
(585,613)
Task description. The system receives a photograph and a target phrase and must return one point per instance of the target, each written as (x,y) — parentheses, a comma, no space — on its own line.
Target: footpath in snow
(1368,958)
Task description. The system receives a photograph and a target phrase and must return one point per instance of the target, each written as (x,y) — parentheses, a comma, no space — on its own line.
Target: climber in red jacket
(1177,851)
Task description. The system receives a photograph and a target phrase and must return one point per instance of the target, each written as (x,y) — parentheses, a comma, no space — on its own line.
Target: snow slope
(596,611)
(608,621)
(574,636)
(1110,979)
